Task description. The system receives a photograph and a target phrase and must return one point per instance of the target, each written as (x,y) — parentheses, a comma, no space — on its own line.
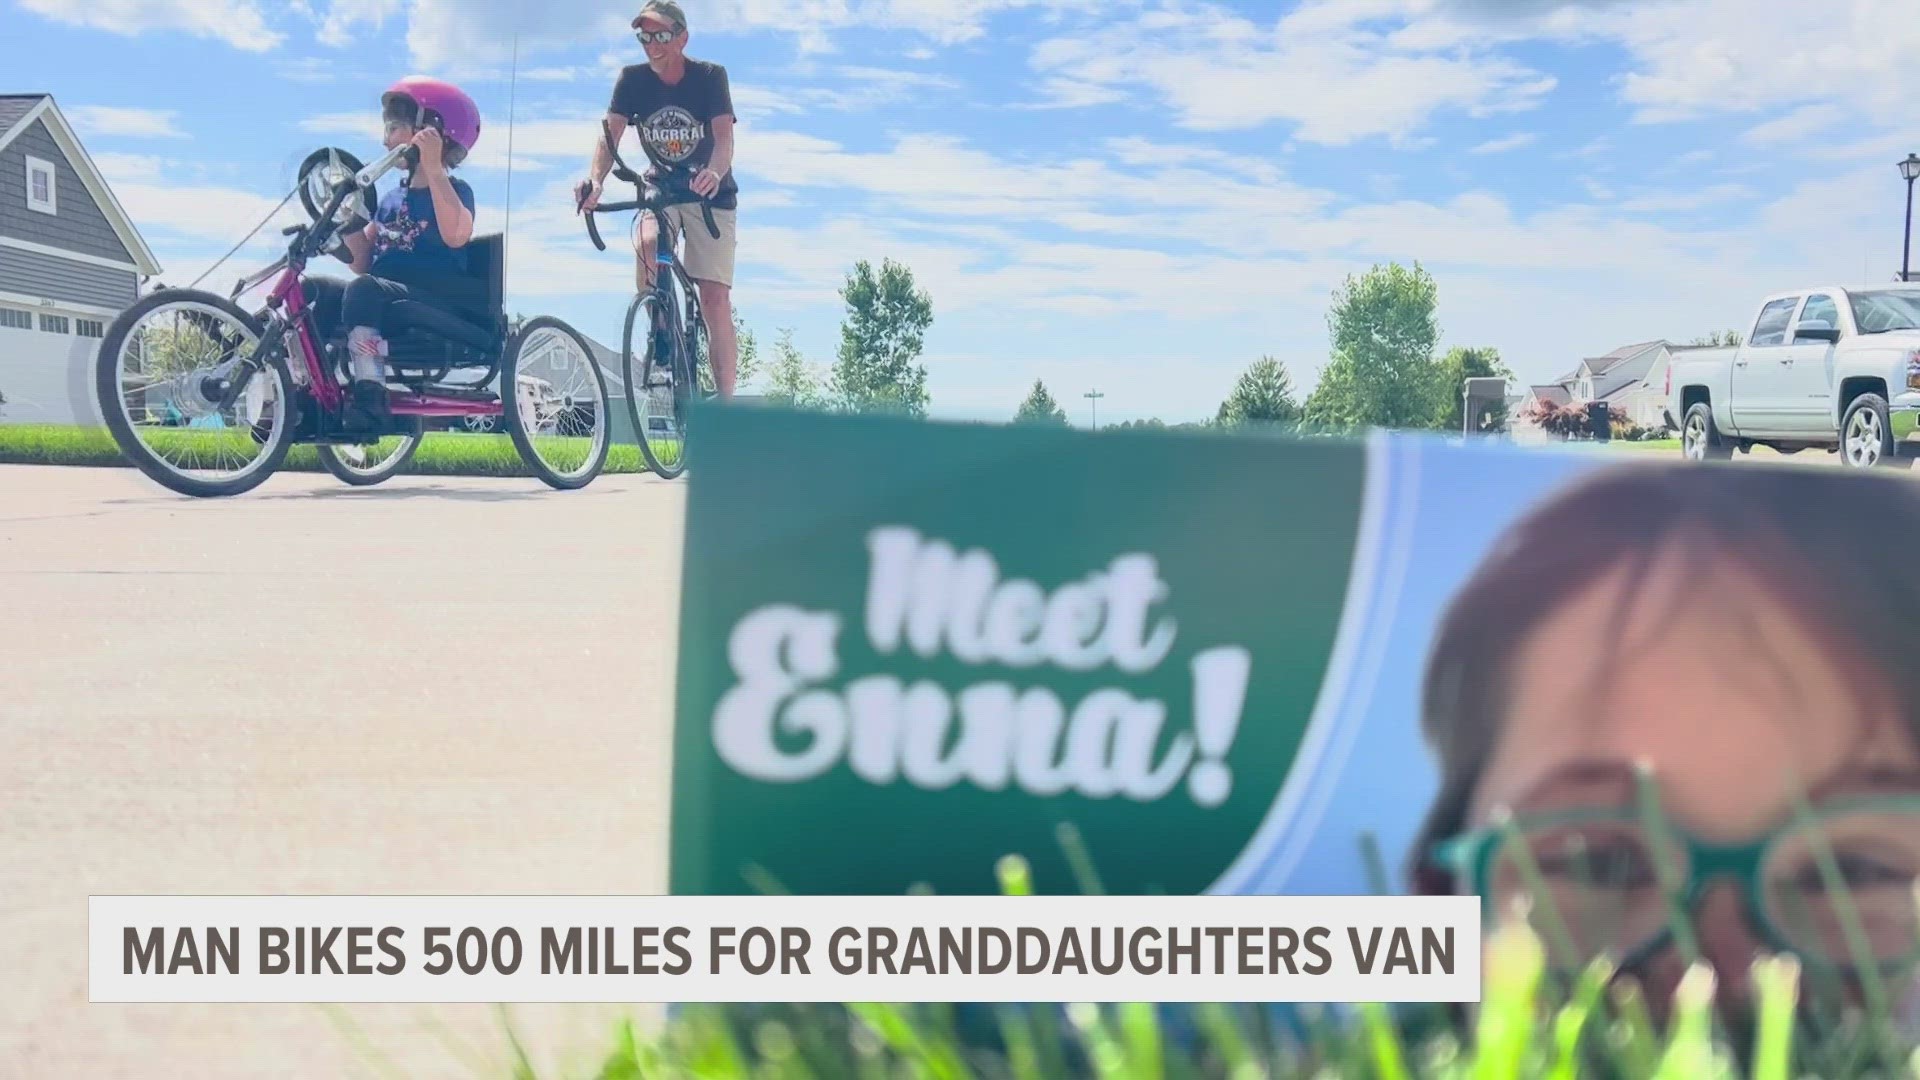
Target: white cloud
(535,142)
(1502,145)
(99,120)
(1707,56)
(239,23)
(479,35)
(1801,123)
(1318,68)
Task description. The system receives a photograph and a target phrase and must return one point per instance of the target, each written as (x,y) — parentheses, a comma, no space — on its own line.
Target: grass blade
(1572,1022)
(1653,817)
(1634,1037)
(1140,1031)
(1776,986)
(1515,964)
(1689,1054)
(1383,1040)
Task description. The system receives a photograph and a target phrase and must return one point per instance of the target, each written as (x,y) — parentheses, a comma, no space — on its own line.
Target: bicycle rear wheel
(656,394)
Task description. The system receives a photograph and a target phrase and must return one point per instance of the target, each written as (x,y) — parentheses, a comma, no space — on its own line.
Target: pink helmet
(420,101)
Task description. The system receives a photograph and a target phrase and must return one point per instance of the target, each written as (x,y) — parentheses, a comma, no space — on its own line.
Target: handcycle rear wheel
(162,352)
(362,466)
(560,425)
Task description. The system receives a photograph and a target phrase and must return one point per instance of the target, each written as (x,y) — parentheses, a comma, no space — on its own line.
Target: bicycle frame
(288,299)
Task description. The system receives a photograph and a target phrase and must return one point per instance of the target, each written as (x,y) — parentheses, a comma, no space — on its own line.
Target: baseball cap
(665,9)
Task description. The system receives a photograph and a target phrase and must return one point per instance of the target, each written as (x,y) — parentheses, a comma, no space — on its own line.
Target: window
(89,328)
(41,192)
(1819,309)
(53,324)
(15,319)
(1771,327)
(1879,312)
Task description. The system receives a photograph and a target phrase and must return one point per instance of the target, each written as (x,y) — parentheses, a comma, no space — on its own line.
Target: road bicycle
(207,398)
(668,367)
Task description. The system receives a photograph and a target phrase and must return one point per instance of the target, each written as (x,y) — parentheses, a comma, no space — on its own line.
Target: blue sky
(1132,195)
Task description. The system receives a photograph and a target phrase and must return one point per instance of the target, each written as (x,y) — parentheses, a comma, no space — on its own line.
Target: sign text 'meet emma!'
(925,597)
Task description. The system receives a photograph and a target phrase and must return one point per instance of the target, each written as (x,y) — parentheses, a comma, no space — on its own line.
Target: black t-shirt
(675,123)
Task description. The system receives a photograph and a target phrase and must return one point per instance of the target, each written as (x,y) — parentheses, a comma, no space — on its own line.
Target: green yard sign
(908,649)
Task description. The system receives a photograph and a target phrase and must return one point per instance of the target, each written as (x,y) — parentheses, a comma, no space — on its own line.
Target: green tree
(791,380)
(880,341)
(1263,395)
(1040,408)
(1723,338)
(1382,371)
(747,350)
(1463,362)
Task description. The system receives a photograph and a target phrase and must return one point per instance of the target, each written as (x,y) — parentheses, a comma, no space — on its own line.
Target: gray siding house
(70,260)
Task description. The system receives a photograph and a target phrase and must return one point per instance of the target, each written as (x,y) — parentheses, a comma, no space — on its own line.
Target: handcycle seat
(436,320)
(476,327)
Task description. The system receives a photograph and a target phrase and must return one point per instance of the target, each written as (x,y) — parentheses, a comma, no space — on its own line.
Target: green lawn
(440,453)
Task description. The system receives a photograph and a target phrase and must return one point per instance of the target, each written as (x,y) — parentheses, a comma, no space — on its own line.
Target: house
(70,260)
(1632,380)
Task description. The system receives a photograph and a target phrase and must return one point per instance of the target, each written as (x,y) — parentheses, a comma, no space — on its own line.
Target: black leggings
(363,301)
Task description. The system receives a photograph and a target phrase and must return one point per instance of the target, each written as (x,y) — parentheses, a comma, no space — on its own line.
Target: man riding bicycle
(683,111)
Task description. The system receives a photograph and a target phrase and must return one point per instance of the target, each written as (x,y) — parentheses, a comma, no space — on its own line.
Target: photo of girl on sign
(1697,684)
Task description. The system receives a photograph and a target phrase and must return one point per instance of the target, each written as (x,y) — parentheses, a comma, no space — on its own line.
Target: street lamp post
(1909,171)
(1094,396)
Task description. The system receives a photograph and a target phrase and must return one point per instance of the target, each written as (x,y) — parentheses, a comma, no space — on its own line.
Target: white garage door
(46,365)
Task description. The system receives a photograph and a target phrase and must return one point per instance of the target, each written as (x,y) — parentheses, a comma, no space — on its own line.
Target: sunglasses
(661,36)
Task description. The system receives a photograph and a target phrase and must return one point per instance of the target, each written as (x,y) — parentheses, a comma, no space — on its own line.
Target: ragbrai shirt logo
(673,134)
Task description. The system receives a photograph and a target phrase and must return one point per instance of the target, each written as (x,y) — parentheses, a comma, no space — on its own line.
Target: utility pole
(1094,396)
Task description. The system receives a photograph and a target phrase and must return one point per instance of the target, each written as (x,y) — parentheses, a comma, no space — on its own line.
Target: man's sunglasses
(661,36)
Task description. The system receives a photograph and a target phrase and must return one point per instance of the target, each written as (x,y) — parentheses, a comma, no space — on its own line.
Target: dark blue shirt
(407,236)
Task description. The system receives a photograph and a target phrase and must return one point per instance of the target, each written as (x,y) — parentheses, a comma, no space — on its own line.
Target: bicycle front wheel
(654,398)
(161,366)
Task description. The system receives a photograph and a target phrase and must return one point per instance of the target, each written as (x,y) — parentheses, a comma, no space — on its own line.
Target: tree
(747,351)
(1263,395)
(1382,372)
(1040,408)
(1463,362)
(791,380)
(880,340)
(1723,338)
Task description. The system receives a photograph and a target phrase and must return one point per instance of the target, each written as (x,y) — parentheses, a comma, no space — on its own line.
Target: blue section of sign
(1438,518)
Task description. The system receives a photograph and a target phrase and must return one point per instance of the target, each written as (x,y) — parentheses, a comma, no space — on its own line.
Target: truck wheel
(1866,438)
(1699,438)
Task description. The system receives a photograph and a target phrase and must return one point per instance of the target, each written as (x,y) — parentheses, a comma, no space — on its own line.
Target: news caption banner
(674,949)
(909,649)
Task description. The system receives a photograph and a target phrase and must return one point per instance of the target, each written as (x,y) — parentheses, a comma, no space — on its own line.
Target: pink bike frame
(294,302)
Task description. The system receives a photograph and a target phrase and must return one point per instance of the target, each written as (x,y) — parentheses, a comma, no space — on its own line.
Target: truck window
(1820,309)
(1771,327)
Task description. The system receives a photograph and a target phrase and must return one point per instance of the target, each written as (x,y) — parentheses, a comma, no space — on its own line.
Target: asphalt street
(436,686)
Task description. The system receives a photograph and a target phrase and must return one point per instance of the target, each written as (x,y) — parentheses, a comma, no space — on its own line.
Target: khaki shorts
(705,258)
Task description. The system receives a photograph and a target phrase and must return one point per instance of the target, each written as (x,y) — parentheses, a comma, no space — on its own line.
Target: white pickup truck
(1825,367)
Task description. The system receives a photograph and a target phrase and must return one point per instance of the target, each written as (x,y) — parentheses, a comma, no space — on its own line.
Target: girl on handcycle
(414,249)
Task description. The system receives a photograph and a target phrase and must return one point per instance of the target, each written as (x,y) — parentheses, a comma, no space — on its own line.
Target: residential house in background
(70,261)
(1631,380)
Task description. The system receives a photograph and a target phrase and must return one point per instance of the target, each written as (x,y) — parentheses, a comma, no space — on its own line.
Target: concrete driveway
(457,686)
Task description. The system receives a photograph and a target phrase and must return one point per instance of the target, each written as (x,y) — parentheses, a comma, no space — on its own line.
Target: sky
(1137,197)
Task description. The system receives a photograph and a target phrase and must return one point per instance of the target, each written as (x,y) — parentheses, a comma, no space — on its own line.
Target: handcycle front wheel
(555,403)
(365,466)
(156,379)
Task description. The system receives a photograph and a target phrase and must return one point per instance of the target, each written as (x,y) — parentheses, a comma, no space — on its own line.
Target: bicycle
(673,367)
(208,379)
